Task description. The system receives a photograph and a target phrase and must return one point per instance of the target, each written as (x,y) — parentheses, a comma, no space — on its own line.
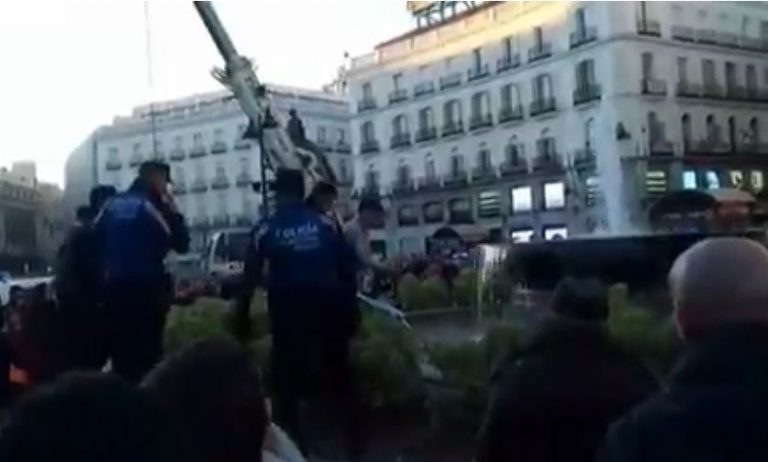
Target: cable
(150,79)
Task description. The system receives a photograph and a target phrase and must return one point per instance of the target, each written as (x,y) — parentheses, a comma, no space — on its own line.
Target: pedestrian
(78,291)
(212,391)
(86,417)
(303,252)
(714,407)
(370,216)
(136,230)
(556,399)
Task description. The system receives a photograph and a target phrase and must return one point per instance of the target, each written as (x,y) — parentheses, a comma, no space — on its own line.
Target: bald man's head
(719,281)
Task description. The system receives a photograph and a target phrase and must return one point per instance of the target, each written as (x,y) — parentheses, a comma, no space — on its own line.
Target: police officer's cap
(155,166)
(289,181)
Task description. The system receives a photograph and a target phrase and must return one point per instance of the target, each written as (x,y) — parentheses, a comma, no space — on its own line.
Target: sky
(70,66)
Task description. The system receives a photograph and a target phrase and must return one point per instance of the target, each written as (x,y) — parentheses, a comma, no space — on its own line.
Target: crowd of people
(573,394)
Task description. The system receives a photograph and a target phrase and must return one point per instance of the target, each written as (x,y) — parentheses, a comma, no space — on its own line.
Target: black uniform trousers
(135,321)
(310,359)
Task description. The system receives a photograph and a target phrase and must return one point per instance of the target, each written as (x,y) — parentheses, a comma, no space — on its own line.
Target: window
(221,171)
(756,180)
(222,204)
(585,73)
(689,180)
(460,210)
(426,118)
(178,142)
(708,72)
(200,170)
(397,80)
(341,136)
(507,47)
(754,130)
(457,164)
(114,155)
(712,180)
(542,87)
(682,69)
(554,195)
(685,123)
(655,128)
(480,104)
(429,167)
(484,158)
(538,37)
(647,61)
(522,235)
(245,165)
(218,135)
(452,112)
(367,91)
(737,179)
(477,59)
(408,215)
(510,95)
(433,212)
(522,199)
(321,134)
(403,174)
(400,125)
(589,133)
(713,131)
(555,233)
(488,204)
(367,132)
(197,139)
(730,75)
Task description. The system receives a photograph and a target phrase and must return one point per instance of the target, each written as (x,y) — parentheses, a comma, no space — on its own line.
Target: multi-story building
(212,167)
(542,120)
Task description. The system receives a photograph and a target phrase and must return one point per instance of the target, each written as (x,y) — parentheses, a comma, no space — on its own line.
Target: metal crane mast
(239,76)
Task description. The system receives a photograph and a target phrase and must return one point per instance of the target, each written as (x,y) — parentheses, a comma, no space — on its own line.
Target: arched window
(542,87)
(713,132)
(367,132)
(732,133)
(452,113)
(429,167)
(403,173)
(400,125)
(426,119)
(510,95)
(589,134)
(480,105)
(654,131)
(484,163)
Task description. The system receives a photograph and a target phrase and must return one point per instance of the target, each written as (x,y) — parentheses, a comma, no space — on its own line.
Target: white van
(225,258)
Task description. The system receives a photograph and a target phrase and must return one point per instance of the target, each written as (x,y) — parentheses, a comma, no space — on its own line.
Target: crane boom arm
(240,77)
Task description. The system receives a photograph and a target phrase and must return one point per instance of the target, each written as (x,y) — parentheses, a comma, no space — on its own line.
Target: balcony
(177,154)
(403,186)
(220,221)
(135,160)
(398,96)
(423,89)
(243,180)
(478,121)
(450,81)
(707,36)
(484,173)
(710,148)
(454,127)
(735,92)
(429,183)
(242,145)
(582,37)
(508,62)
(366,104)
(369,146)
(220,183)
(653,87)
(509,113)
(342,147)
(542,106)
(752,148)
(586,92)
(584,158)
(649,27)
(478,73)
(683,33)
(712,90)
(426,134)
(219,147)
(753,44)
(456,179)
(687,89)
(514,165)
(661,148)
(541,51)
(197,151)
(179,188)
(198,186)
(727,39)
(547,160)
(400,140)
(114,164)
(753,93)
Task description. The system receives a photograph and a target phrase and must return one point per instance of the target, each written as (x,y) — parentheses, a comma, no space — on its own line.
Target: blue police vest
(300,246)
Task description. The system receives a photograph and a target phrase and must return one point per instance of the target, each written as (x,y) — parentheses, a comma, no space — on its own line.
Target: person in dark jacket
(295,128)
(555,400)
(78,289)
(136,230)
(296,254)
(715,405)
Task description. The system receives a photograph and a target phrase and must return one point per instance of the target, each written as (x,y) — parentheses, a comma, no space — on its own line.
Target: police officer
(296,254)
(136,230)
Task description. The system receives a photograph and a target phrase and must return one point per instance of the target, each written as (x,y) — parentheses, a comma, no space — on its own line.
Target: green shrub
(206,318)
(435,293)
(463,365)
(465,288)
(502,340)
(409,293)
